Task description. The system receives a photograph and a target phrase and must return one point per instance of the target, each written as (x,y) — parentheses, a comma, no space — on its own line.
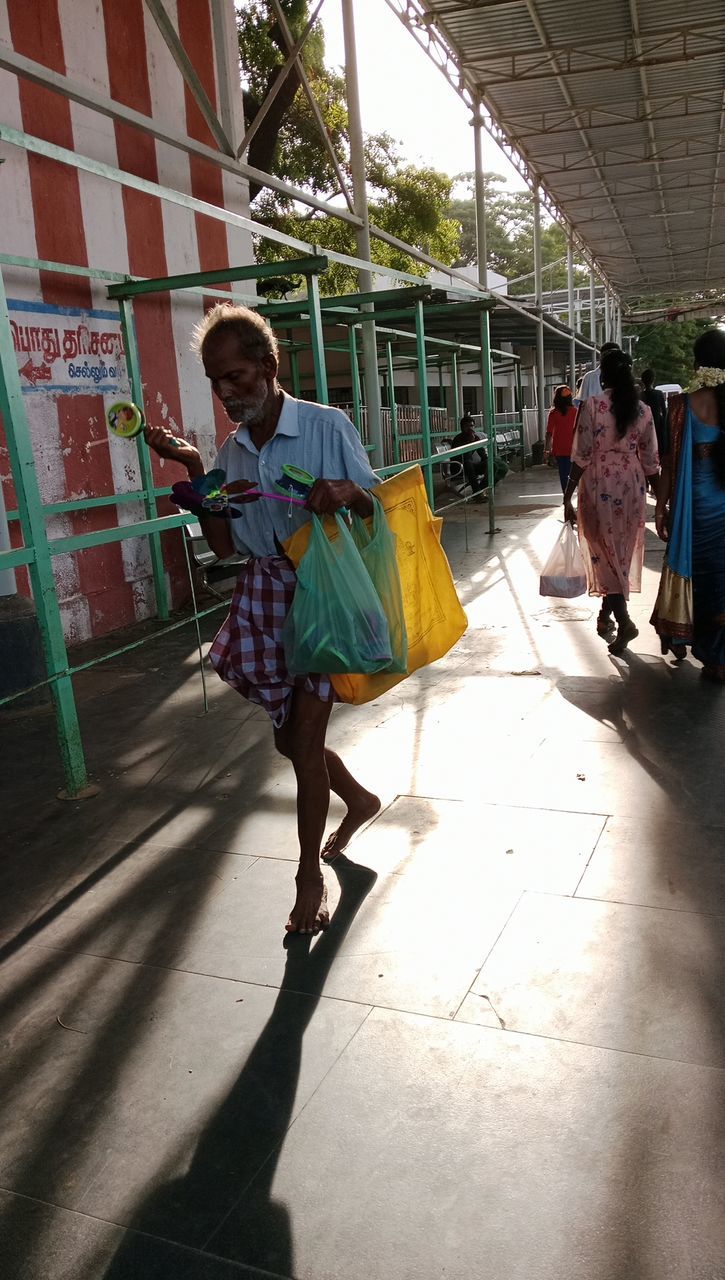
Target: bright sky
(402,93)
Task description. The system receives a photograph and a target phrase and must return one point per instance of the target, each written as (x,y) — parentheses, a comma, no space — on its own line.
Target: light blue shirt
(590,385)
(315,438)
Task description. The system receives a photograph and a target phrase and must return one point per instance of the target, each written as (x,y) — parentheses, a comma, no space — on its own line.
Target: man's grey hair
(255,336)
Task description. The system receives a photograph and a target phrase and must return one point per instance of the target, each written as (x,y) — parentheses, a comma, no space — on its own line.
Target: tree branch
(261,152)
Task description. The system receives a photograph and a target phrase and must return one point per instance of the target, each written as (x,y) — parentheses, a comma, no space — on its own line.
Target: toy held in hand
(294,482)
(125,420)
(208,495)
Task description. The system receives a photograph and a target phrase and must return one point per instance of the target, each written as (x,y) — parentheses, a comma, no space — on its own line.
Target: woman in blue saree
(690,518)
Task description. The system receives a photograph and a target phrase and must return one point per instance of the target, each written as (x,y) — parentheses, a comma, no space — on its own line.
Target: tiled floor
(506,1058)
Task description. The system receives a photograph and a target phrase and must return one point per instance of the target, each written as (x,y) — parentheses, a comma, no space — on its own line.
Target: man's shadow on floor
(243,1141)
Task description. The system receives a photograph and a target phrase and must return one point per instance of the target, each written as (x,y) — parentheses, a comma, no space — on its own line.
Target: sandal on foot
(625,633)
(605,626)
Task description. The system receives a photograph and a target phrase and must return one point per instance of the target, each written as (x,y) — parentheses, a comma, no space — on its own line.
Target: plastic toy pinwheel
(207,495)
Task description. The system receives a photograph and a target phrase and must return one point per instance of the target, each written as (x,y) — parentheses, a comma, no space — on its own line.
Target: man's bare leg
(362,805)
(302,740)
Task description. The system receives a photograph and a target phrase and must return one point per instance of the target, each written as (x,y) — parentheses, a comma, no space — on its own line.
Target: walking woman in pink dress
(614,453)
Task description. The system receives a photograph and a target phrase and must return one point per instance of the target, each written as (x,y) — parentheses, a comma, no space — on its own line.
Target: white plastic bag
(564,574)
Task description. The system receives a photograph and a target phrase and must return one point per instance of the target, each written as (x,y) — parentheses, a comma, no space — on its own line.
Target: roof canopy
(617,108)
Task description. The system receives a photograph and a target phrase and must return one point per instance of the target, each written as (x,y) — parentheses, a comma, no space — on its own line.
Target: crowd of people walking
(613,441)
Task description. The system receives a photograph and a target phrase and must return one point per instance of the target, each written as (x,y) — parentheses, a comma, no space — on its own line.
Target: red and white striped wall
(52,211)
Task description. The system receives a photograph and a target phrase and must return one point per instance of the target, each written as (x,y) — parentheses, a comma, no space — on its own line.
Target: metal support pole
(424,410)
(488,411)
(593,314)
(355,378)
(391,401)
(519,403)
(482,250)
(618,334)
(128,330)
(32,524)
(226,49)
(570,305)
(294,369)
(317,340)
(455,389)
(538,292)
(362,234)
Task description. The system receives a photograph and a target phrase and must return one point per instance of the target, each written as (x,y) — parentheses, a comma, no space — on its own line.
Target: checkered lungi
(248,652)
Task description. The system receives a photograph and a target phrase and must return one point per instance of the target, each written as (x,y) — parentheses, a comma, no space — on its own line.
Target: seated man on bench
(475,463)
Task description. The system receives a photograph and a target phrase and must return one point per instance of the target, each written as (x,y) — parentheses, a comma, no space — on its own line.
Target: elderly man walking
(240,357)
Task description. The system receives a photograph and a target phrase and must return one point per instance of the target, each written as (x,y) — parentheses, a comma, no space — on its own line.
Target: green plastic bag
(337,623)
(379,557)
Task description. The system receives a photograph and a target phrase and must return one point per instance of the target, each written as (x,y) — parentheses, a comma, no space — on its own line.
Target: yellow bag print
(434,617)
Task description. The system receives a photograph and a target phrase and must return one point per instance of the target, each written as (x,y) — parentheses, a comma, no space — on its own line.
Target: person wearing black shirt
(657,403)
(475,463)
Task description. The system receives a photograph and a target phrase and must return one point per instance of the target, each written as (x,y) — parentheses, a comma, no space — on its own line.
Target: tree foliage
(408,201)
(666,347)
(510,236)
(405,200)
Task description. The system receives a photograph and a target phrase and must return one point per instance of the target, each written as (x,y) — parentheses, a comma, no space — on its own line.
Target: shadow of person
(243,1141)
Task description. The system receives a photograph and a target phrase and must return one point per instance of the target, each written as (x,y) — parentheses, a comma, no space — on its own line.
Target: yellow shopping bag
(434,617)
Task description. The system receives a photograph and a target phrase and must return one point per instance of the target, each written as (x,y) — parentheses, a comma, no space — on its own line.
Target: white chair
(452,472)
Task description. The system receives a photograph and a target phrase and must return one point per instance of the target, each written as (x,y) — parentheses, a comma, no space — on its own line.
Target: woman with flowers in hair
(690,607)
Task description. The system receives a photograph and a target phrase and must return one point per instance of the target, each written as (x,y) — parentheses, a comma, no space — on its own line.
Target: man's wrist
(195,467)
(362,502)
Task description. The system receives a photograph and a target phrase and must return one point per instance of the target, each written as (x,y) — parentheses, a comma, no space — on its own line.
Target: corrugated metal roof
(618,108)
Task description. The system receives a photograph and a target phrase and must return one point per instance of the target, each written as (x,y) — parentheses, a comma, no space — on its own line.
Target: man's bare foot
(357,815)
(310,913)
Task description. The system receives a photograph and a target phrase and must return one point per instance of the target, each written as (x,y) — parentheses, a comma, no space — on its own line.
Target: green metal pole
(317,338)
(487,385)
(454,386)
(519,401)
(133,364)
(424,410)
(355,379)
(41,567)
(393,405)
(294,365)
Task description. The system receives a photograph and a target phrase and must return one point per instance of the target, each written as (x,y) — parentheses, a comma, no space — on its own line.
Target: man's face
(467,429)
(240,383)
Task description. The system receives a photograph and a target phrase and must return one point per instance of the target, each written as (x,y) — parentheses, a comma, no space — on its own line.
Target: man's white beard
(248,413)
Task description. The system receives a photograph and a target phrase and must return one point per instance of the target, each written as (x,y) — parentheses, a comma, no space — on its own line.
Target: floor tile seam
(528,808)
(411,795)
(504,804)
(241,1267)
(222,977)
(50,903)
(248,982)
(603,828)
(480,969)
(273,1154)
(273,857)
(590,1044)
(619,902)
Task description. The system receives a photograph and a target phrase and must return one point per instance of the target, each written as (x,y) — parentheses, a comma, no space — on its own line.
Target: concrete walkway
(506,1058)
